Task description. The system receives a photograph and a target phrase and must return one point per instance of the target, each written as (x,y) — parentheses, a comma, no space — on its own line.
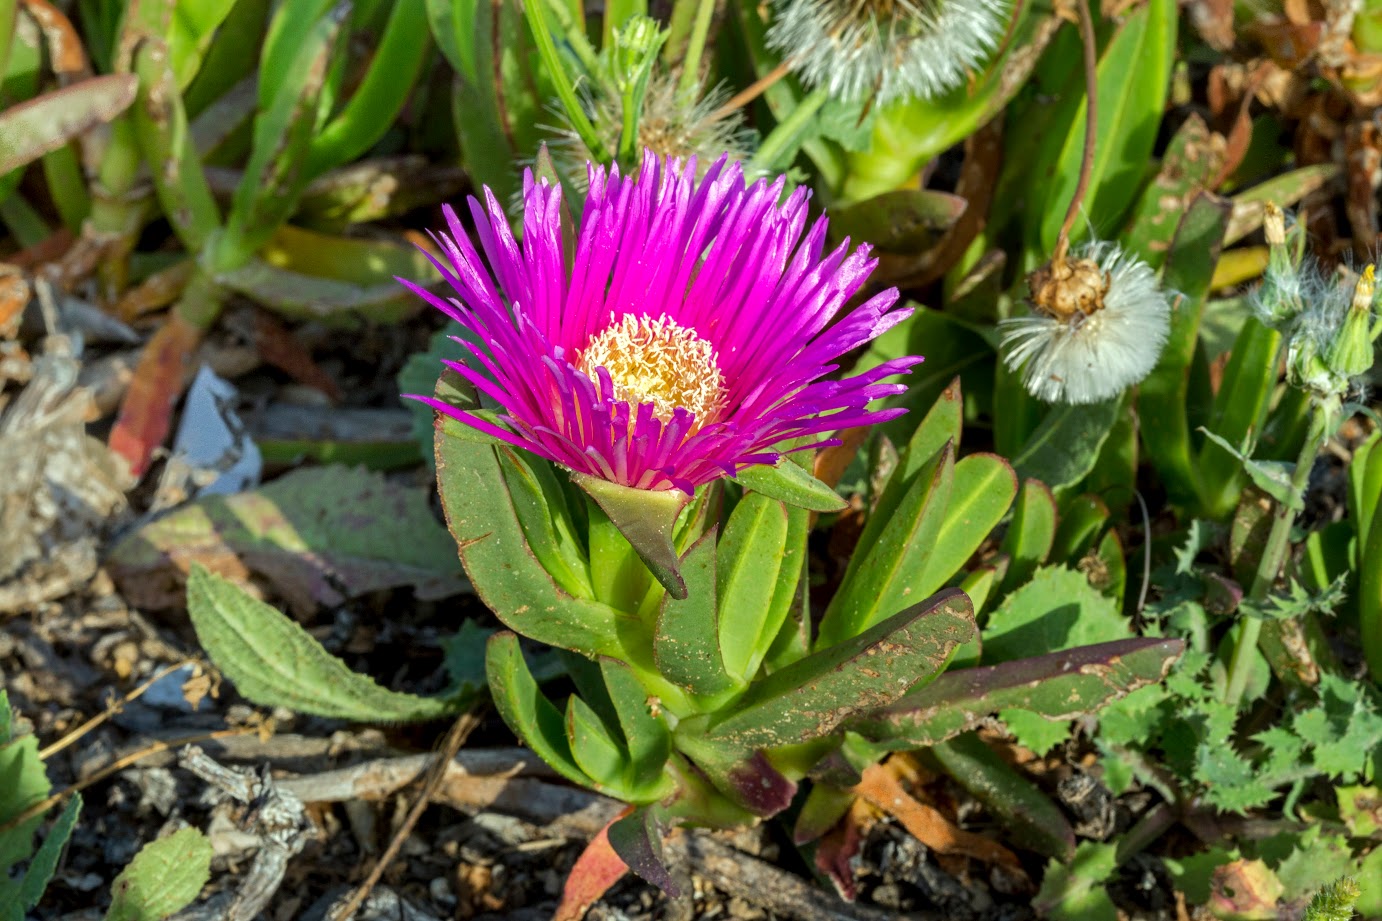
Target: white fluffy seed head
(671,125)
(896,49)
(1087,357)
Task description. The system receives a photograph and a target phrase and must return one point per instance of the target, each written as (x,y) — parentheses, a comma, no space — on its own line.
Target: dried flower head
(690,336)
(894,49)
(1100,323)
(670,124)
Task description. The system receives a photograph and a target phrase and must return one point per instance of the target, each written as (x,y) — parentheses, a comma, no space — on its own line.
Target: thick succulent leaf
(751,553)
(1239,411)
(637,840)
(788,482)
(1082,519)
(1163,398)
(1035,821)
(526,710)
(646,736)
(747,779)
(901,221)
(598,754)
(1057,686)
(982,492)
(821,811)
(508,578)
(163,878)
(812,697)
(543,512)
(686,642)
(876,583)
(275,662)
(647,518)
(1190,164)
(43,124)
(1066,445)
(1031,533)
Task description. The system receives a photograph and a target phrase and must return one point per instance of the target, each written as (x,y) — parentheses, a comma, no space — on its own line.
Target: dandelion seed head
(896,49)
(659,362)
(1099,326)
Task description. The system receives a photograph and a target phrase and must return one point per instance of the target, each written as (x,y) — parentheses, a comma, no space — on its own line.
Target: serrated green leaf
(25,783)
(1076,891)
(164,877)
(274,662)
(1057,610)
(526,710)
(44,863)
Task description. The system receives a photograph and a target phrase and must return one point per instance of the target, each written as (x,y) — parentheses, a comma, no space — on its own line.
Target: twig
(460,731)
(383,777)
(117,766)
(278,817)
(1091,80)
(111,710)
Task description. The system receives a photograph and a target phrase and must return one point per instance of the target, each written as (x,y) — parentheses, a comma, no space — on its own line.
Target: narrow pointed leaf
(598,754)
(1057,686)
(637,840)
(646,736)
(812,697)
(686,643)
(1082,519)
(791,484)
(43,124)
(44,863)
(647,519)
(1065,446)
(875,584)
(1031,533)
(983,490)
(526,710)
(750,555)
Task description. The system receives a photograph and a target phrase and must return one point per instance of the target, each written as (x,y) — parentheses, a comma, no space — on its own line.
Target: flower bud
(1351,354)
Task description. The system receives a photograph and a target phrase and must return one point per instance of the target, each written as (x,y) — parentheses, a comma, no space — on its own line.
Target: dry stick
(1091,80)
(460,731)
(119,765)
(751,92)
(111,710)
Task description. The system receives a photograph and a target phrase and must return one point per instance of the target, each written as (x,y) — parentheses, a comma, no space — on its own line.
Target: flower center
(659,362)
(1064,289)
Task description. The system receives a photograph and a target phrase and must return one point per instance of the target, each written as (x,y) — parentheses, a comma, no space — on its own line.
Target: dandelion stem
(1274,553)
(752,91)
(695,48)
(1091,80)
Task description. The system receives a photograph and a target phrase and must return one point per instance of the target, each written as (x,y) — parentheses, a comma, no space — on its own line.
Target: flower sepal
(647,519)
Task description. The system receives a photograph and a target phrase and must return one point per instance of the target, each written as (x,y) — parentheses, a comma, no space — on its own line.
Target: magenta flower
(689,337)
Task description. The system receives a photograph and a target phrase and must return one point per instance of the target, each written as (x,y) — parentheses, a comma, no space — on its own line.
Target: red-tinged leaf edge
(595,871)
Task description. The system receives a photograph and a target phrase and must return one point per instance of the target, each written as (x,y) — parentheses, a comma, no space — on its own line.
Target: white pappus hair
(1093,357)
(898,48)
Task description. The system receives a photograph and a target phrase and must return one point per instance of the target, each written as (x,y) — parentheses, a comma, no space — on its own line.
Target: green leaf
(1035,821)
(811,697)
(637,840)
(1190,164)
(751,554)
(1365,486)
(1031,533)
(43,124)
(1239,412)
(164,877)
(274,662)
(1130,105)
(901,221)
(790,483)
(526,710)
(646,518)
(25,783)
(598,754)
(1082,518)
(1065,446)
(646,736)
(686,643)
(876,583)
(45,861)
(983,490)
(508,578)
(1057,686)
(1077,890)
(545,516)
(321,535)
(1057,610)
(1164,397)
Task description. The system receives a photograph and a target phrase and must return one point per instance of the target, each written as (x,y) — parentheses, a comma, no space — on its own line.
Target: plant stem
(788,131)
(695,48)
(1091,81)
(1274,553)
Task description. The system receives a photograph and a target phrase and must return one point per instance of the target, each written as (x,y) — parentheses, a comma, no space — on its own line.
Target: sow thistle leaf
(274,662)
(164,876)
(1057,610)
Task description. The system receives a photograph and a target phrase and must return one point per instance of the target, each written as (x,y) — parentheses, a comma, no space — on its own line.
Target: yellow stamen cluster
(659,362)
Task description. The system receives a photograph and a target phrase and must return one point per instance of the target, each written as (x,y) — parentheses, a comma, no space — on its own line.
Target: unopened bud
(1350,354)
(1274,225)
